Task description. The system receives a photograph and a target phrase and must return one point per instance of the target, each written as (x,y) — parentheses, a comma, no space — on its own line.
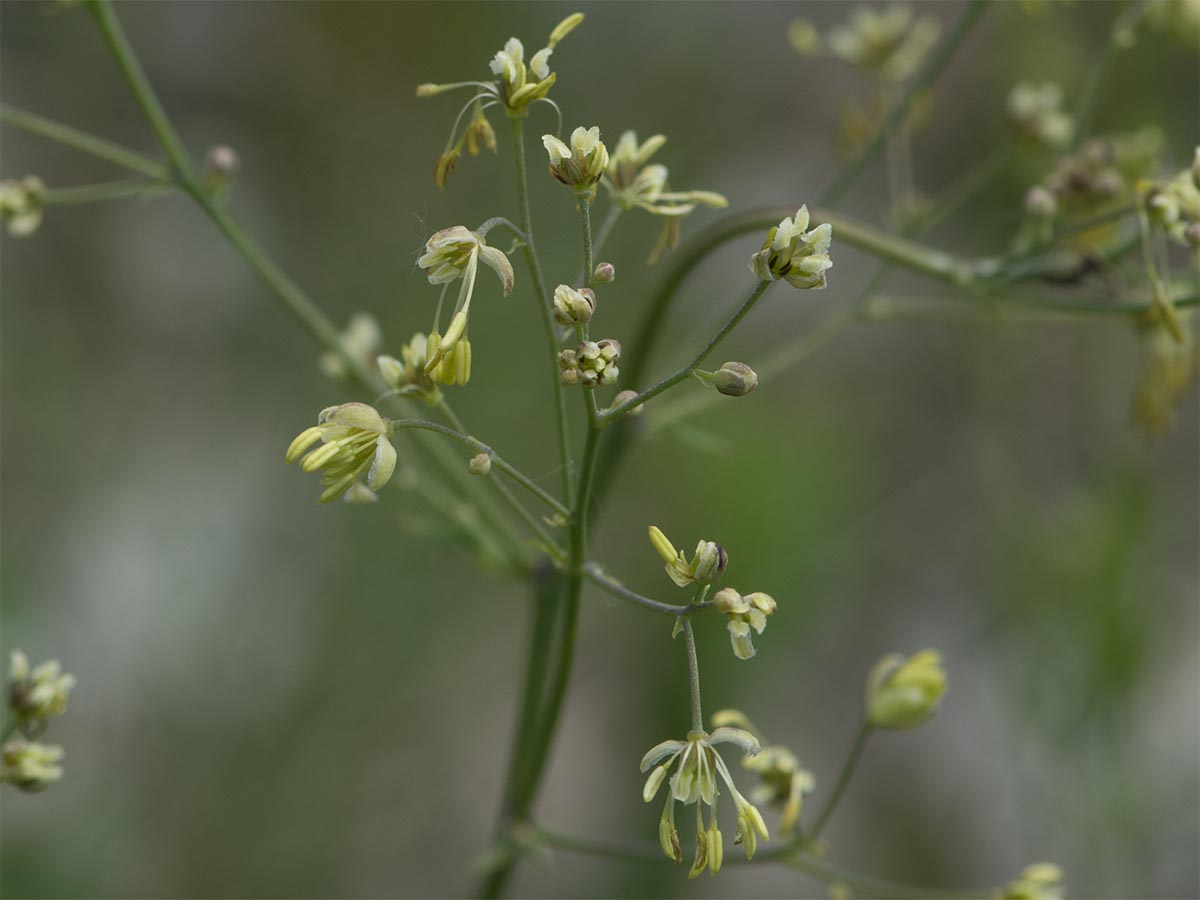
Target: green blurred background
(277,699)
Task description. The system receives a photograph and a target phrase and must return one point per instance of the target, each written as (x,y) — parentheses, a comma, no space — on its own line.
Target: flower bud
(904,693)
(573,307)
(604,273)
(730,602)
(624,397)
(221,164)
(735,379)
(29,765)
(709,563)
(480,464)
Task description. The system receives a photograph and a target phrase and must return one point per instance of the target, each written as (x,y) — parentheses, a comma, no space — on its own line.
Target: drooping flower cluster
(890,42)
(632,182)
(1037,114)
(591,364)
(745,614)
(795,254)
(21,205)
(695,783)
(707,564)
(451,254)
(354,451)
(783,782)
(581,164)
(903,693)
(30,766)
(518,85)
(407,375)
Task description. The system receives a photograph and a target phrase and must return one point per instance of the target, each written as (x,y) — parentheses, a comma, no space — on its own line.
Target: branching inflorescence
(1097,201)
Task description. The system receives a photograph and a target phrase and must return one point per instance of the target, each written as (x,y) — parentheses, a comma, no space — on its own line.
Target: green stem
(544,306)
(585,221)
(617,412)
(87,143)
(595,573)
(547,589)
(480,447)
(811,865)
(531,521)
(127,189)
(1089,96)
(693,674)
(925,78)
(843,781)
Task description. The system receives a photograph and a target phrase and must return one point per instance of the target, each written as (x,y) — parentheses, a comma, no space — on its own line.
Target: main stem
(693,675)
(543,301)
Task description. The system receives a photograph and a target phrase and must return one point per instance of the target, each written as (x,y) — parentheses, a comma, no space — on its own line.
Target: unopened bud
(905,692)
(221,164)
(573,307)
(709,563)
(729,601)
(623,398)
(480,464)
(604,273)
(735,379)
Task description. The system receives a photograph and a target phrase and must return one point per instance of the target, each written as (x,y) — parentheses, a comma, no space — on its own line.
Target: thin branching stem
(861,734)
(84,142)
(689,640)
(544,306)
(599,577)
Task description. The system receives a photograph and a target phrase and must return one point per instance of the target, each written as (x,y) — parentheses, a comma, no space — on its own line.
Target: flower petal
(660,751)
(744,740)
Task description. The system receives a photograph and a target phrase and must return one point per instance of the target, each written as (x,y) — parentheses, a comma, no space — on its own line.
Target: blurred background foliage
(277,699)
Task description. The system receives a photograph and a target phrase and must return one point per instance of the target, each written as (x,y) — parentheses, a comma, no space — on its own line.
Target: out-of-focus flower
(361,341)
(354,448)
(695,782)
(889,41)
(902,692)
(30,766)
(1169,367)
(39,692)
(21,205)
(1036,112)
(1040,881)
(633,182)
(783,782)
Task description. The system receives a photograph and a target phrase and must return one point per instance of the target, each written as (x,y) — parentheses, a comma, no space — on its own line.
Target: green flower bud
(480,464)
(735,379)
(904,693)
(604,273)
(709,562)
(624,397)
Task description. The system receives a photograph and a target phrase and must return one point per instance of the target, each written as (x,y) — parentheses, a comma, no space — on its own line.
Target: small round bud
(764,603)
(221,164)
(905,692)
(735,379)
(625,397)
(1041,203)
(610,349)
(604,273)
(480,464)
(730,602)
